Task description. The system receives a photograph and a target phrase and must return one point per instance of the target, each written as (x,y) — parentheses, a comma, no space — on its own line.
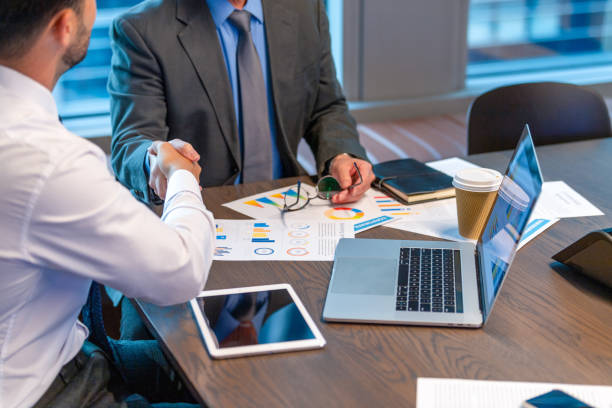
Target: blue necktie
(257,162)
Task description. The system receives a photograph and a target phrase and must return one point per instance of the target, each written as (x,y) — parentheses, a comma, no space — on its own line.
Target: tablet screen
(262,317)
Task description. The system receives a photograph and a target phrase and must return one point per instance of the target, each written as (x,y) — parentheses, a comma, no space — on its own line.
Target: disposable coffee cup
(475,189)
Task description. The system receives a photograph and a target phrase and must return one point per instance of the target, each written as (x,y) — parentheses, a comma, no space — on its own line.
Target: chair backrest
(555,112)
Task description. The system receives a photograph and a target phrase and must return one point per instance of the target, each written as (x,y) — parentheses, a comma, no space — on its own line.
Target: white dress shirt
(64,221)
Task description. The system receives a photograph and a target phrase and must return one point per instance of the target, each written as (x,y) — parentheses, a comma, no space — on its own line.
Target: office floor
(425,139)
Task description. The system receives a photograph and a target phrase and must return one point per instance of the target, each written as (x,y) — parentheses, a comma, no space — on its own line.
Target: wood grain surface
(549,324)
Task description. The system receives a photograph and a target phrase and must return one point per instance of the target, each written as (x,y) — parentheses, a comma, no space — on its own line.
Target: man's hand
(343,170)
(167,157)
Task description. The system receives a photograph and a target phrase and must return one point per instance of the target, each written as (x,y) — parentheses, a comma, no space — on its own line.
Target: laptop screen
(515,200)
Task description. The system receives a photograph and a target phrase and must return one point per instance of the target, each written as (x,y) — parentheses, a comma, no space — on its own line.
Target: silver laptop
(432,282)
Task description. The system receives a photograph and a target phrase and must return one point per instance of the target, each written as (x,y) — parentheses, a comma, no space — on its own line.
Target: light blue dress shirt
(228,38)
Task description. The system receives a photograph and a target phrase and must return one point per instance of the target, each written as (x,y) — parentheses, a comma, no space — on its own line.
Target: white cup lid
(477,179)
(513,194)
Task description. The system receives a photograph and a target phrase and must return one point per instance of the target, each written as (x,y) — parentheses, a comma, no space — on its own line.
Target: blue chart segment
(360,226)
(533,226)
(264,251)
(292,193)
(266,200)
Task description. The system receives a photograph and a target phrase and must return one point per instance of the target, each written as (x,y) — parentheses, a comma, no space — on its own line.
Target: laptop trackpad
(365,276)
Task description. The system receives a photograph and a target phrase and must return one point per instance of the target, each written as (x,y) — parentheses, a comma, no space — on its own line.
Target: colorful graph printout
(363,214)
(261,233)
(389,206)
(343,213)
(247,240)
(439,219)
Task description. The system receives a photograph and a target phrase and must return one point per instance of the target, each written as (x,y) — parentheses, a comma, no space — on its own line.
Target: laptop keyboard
(429,280)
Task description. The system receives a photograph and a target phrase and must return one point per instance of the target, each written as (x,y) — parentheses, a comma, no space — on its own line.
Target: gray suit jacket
(169,80)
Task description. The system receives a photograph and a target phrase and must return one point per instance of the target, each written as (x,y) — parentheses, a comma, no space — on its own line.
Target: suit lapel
(201,43)
(281,37)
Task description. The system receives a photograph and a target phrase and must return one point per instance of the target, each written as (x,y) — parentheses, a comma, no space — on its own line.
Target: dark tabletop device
(591,255)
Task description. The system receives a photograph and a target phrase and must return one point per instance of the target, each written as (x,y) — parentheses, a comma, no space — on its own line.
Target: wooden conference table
(549,324)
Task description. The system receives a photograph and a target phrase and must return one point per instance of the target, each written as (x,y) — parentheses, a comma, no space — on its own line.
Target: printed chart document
(362,215)
(439,219)
(271,240)
(558,200)
(455,393)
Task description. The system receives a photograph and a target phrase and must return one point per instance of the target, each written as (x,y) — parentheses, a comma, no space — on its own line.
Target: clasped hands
(166,157)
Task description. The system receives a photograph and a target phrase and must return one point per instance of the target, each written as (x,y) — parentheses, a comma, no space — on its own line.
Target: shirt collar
(27,88)
(221,10)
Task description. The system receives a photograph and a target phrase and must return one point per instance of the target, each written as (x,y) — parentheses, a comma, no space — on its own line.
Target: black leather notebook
(411,181)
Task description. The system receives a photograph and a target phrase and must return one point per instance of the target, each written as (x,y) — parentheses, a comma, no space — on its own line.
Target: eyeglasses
(326,188)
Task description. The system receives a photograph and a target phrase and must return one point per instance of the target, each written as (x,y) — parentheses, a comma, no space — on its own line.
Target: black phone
(591,255)
(554,399)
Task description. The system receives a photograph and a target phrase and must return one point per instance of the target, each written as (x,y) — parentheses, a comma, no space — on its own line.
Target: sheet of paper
(435,218)
(271,240)
(558,200)
(561,201)
(451,166)
(538,223)
(363,214)
(439,219)
(455,393)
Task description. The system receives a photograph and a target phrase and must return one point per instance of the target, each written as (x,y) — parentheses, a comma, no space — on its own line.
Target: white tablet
(254,320)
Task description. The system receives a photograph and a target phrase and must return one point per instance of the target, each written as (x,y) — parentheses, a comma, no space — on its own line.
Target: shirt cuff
(150,196)
(182,180)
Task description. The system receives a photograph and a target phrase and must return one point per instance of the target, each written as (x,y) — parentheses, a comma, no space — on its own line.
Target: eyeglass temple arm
(360,177)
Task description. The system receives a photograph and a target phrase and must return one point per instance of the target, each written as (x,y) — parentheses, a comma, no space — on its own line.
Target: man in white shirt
(65,221)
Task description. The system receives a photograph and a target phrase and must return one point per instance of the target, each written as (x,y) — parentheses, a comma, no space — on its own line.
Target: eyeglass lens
(328,186)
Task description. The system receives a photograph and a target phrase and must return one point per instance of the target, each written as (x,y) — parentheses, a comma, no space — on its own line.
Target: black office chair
(555,112)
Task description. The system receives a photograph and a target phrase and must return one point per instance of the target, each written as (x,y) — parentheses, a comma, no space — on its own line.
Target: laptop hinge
(479,281)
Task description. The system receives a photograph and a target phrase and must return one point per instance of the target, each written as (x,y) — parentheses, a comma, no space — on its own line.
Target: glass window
(508,36)
(81,92)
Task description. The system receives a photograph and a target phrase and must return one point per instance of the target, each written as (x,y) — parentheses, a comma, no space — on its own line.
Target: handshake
(167,157)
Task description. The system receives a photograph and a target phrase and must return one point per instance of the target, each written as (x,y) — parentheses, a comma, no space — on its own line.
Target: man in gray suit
(238,99)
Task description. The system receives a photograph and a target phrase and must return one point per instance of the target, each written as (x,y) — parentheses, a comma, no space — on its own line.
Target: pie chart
(343,213)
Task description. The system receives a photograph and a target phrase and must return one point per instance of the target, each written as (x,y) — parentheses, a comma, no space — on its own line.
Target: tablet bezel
(239,351)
